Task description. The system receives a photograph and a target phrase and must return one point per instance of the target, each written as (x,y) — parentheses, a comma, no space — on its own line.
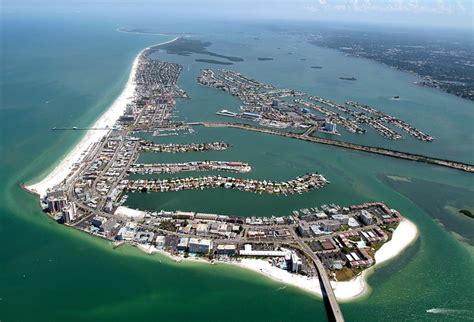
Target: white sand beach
(107,119)
(405,234)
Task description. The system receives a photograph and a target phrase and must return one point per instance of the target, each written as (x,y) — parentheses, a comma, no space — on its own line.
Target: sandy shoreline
(405,234)
(107,119)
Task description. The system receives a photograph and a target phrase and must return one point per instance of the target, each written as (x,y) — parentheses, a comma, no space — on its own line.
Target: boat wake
(461,314)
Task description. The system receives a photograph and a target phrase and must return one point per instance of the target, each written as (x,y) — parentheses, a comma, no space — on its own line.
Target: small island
(213,61)
(348,78)
(186,47)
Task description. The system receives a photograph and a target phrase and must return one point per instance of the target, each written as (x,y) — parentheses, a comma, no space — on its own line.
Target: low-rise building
(160,241)
(227,250)
(330,225)
(144,237)
(202,229)
(248,251)
(304,229)
(183,244)
(343,219)
(317,230)
(352,222)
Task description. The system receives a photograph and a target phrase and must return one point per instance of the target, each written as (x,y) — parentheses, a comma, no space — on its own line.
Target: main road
(353,146)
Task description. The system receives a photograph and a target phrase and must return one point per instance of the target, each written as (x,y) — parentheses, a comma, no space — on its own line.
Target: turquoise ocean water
(63,68)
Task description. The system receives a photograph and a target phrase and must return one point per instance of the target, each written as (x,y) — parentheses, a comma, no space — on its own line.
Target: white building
(183,244)
(247,251)
(296,263)
(128,231)
(202,229)
(69,212)
(200,246)
(160,242)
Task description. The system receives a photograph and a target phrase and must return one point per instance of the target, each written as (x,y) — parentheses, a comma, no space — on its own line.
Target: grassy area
(167,225)
(344,274)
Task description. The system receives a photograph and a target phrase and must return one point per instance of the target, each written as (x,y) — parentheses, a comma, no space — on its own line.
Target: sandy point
(404,235)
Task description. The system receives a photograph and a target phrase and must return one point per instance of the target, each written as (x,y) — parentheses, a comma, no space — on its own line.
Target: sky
(449,13)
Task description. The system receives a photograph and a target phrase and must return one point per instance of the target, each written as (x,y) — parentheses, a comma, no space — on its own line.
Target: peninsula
(317,249)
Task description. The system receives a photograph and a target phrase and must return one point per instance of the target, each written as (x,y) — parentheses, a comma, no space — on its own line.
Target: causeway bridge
(343,144)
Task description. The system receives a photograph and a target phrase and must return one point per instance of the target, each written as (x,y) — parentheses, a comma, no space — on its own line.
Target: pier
(353,146)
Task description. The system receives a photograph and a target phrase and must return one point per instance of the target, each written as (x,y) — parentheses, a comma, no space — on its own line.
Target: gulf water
(65,67)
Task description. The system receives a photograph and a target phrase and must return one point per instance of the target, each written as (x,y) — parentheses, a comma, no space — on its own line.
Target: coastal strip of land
(403,236)
(353,146)
(332,243)
(69,163)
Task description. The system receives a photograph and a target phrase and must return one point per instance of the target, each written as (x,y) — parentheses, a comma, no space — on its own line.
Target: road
(353,146)
(334,311)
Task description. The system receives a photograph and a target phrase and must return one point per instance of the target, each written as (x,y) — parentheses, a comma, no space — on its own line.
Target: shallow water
(64,69)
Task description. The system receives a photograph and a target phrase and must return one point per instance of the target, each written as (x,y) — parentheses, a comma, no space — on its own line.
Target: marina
(268,106)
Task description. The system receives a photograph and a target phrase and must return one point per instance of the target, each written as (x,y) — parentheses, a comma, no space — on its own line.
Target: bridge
(309,131)
(332,307)
(347,145)
(333,310)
